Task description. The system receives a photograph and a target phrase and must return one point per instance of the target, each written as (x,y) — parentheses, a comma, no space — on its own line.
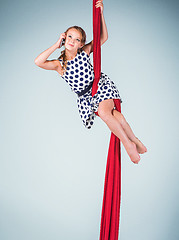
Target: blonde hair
(83,40)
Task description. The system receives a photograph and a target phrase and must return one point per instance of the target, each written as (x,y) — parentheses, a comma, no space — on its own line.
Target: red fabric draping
(109,228)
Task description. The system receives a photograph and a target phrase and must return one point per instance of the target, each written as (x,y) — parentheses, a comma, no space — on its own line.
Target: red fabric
(109,228)
(96,46)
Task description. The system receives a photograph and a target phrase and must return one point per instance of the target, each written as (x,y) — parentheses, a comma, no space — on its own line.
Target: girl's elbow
(35,61)
(104,40)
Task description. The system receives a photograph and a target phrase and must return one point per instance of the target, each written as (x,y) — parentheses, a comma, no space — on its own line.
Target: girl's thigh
(106,106)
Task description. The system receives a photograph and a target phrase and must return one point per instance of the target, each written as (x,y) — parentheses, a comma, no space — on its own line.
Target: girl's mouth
(70,44)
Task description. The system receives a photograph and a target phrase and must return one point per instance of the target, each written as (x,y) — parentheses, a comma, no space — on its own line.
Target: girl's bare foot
(140,146)
(133,154)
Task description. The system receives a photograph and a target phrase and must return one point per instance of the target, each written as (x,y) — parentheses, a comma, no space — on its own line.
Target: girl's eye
(76,39)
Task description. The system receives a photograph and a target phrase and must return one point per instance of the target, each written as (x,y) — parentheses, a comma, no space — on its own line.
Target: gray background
(52,169)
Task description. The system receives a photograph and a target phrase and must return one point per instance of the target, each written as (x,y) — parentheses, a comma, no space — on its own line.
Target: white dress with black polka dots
(79,75)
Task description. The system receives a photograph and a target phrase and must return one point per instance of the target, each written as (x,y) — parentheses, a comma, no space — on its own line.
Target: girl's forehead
(74,32)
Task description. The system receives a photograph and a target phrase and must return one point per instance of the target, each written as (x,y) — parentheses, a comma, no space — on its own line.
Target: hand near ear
(61,40)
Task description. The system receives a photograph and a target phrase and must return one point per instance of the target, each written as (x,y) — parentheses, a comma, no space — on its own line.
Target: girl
(75,68)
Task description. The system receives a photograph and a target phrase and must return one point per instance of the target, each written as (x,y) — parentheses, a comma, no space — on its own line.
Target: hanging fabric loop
(109,228)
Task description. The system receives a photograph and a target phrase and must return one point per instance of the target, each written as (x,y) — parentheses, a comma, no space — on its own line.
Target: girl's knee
(105,109)
(118,115)
(105,115)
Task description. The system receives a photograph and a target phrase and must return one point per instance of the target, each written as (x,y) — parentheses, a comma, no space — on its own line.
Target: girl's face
(73,40)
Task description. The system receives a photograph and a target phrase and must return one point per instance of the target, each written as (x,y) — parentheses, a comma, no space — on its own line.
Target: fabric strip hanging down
(109,228)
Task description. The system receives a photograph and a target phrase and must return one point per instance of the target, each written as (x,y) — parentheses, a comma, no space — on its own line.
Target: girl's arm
(41,60)
(104,32)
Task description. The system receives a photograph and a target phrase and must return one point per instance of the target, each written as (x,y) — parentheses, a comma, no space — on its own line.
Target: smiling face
(73,40)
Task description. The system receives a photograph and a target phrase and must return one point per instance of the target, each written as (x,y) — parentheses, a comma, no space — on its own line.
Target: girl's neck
(70,55)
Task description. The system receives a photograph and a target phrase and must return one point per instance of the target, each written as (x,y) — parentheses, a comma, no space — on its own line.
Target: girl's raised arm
(41,60)
(88,48)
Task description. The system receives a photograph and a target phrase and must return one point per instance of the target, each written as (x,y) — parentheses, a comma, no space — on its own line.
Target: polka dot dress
(79,75)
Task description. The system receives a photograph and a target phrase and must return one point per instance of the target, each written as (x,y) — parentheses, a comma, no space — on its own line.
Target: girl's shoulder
(84,52)
(88,48)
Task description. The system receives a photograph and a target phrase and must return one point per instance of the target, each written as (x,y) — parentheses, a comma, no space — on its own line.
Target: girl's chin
(70,48)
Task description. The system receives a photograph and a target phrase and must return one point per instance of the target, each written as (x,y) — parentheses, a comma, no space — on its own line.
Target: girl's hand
(59,42)
(100,4)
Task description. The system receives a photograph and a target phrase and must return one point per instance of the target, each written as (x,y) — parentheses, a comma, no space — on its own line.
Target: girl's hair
(83,40)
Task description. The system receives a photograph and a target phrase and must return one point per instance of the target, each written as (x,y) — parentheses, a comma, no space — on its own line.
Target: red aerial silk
(109,228)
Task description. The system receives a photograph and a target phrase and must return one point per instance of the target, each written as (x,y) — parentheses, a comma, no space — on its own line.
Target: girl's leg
(105,113)
(119,116)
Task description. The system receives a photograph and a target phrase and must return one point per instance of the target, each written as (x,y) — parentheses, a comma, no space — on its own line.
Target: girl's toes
(133,154)
(140,147)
